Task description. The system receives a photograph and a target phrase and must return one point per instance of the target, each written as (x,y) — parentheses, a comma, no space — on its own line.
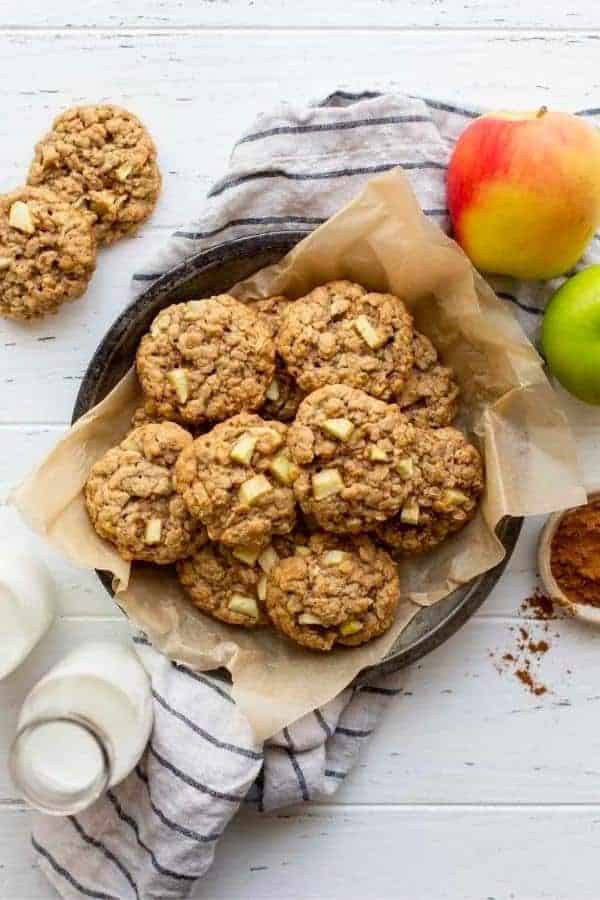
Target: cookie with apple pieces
(131,498)
(341,591)
(237,479)
(101,160)
(446,480)
(47,253)
(340,333)
(230,583)
(205,360)
(351,450)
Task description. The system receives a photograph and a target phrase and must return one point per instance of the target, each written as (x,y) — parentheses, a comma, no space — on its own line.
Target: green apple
(571,335)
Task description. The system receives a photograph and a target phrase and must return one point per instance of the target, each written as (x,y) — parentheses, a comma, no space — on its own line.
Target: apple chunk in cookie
(341,591)
(342,334)
(131,499)
(238,480)
(351,450)
(206,360)
(445,486)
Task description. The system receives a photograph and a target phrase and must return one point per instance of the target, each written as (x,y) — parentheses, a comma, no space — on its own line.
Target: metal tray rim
(244,248)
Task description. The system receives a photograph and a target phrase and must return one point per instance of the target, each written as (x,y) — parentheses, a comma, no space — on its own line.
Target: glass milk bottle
(26,605)
(82,728)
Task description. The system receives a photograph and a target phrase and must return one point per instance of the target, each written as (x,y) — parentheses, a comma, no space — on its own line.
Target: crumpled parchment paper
(383,241)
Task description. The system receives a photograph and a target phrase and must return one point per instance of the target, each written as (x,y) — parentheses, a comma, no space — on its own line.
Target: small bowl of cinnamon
(569,559)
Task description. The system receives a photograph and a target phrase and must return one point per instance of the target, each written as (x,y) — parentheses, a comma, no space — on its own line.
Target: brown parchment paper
(382,240)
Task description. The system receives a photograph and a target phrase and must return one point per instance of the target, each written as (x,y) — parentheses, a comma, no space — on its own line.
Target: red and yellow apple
(524,192)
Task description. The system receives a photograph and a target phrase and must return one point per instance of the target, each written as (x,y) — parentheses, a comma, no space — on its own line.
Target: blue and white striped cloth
(155,834)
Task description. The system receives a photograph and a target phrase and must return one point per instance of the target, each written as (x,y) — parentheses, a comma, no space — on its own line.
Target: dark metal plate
(214,271)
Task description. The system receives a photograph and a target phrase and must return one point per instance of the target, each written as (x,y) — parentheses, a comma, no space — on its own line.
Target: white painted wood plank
(486,741)
(78,591)
(442,854)
(197,112)
(288,14)
(460,733)
(452,853)
(42,365)
(463,732)
(25,446)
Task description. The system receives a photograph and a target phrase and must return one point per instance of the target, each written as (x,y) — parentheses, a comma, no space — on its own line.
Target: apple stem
(541,112)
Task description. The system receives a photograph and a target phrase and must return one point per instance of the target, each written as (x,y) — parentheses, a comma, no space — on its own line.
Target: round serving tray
(215,271)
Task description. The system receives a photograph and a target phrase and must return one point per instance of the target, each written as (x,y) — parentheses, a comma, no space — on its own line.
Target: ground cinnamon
(538,606)
(524,676)
(575,554)
(523,661)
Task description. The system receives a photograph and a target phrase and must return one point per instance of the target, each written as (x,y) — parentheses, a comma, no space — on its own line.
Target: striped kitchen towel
(155,834)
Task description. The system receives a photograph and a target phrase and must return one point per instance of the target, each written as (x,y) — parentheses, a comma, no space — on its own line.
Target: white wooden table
(472,788)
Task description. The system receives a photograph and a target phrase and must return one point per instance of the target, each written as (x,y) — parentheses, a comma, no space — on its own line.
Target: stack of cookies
(284,453)
(94,179)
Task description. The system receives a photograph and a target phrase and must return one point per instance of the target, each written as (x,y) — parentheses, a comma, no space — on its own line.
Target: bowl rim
(508,530)
(590,614)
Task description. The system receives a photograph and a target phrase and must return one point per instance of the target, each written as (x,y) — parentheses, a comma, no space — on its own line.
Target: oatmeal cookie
(101,159)
(237,479)
(131,499)
(230,583)
(352,451)
(430,396)
(47,253)
(445,486)
(341,334)
(343,591)
(283,394)
(223,586)
(206,360)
